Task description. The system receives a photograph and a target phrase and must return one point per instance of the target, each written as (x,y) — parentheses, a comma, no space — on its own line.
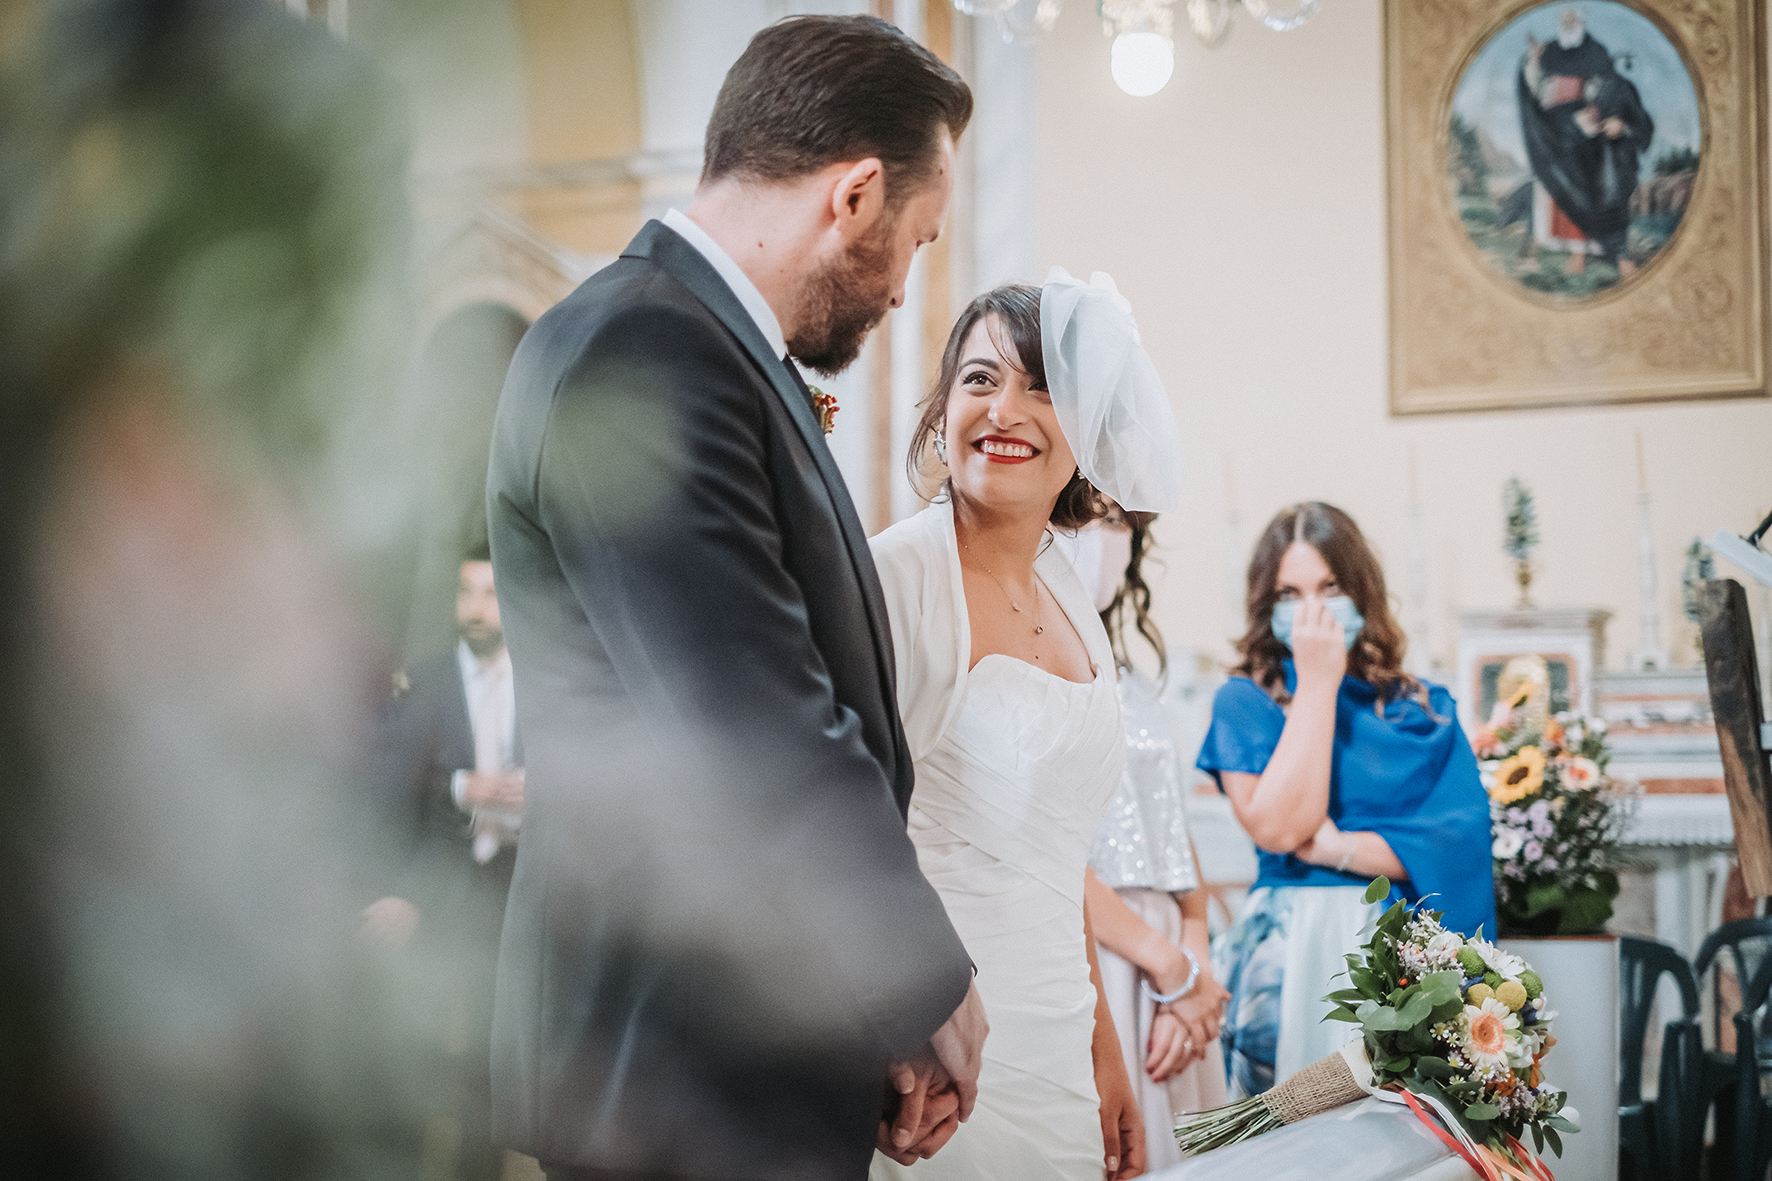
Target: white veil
(1108,397)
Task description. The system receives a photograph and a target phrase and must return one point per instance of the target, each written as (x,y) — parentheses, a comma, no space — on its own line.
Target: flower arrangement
(1519,533)
(1556,819)
(1451,1026)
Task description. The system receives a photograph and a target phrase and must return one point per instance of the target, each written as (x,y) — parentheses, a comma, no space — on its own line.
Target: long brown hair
(1015,309)
(1377,656)
(1134,596)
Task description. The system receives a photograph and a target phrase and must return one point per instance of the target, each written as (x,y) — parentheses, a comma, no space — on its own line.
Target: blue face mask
(1340,606)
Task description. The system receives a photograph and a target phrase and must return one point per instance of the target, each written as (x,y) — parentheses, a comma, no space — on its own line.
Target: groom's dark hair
(811,91)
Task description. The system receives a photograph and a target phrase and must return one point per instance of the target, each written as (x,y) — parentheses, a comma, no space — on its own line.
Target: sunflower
(1519,776)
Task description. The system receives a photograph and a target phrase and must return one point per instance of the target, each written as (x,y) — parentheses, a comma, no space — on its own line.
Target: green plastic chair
(1753,1064)
(1663,1138)
(1748,944)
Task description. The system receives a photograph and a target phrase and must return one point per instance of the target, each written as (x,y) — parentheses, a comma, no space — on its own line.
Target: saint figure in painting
(1585,129)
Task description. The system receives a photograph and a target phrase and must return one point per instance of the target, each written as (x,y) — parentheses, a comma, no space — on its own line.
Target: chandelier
(1143,56)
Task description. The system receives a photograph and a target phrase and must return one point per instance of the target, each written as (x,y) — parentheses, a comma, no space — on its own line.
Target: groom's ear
(858,198)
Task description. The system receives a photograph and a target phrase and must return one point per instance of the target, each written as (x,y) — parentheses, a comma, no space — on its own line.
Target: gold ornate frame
(1693,324)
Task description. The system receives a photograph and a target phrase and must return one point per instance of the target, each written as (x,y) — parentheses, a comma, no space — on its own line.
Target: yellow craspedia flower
(1478,994)
(1519,776)
(1512,994)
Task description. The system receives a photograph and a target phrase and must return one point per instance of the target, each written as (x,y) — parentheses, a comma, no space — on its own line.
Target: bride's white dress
(1014,769)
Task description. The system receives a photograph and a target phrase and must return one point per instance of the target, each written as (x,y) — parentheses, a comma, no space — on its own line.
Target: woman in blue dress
(1341,767)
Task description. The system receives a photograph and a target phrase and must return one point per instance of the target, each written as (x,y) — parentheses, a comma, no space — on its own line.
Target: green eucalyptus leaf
(1380,886)
(1556,1141)
(1414,1011)
(1432,1067)
(1440,987)
(1482,1111)
(1383,1018)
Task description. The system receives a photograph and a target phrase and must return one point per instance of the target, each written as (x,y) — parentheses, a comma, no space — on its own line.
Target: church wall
(1241,209)
(583,86)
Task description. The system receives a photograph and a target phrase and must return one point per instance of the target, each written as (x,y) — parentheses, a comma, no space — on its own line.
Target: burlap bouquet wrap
(1322,1086)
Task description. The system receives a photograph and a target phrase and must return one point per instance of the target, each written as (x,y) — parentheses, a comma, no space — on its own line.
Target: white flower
(1489,1034)
(1444,945)
(1506,965)
(1507,843)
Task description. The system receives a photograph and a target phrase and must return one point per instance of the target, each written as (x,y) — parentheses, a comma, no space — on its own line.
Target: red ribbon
(1487,1163)
(1480,1167)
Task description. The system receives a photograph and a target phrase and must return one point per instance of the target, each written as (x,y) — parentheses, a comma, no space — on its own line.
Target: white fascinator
(1110,402)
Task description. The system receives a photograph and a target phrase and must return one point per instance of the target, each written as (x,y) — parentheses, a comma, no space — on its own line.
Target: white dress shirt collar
(741,284)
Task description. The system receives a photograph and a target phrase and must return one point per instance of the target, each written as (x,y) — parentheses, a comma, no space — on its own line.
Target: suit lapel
(666,248)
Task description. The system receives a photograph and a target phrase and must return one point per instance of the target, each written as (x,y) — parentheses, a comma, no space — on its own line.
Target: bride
(1006,684)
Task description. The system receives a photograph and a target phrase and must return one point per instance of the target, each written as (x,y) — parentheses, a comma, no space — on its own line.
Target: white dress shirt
(492,716)
(741,284)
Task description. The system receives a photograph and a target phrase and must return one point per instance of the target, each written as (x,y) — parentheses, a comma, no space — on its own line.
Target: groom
(720,959)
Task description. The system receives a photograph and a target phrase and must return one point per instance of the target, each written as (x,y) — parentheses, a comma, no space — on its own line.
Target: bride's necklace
(1013,605)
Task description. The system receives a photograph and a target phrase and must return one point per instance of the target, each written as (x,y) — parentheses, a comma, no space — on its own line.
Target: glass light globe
(1142,62)
(1025,20)
(1210,20)
(1282,15)
(983,7)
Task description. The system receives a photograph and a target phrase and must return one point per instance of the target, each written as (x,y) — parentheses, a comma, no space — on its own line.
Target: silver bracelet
(1164,998)
(1347,854)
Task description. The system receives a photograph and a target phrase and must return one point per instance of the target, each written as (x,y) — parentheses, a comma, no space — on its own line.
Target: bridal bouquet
(1455,1029)
(1556,818)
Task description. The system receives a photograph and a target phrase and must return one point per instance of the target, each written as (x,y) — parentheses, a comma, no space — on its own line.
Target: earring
(1079,474)
(941,447)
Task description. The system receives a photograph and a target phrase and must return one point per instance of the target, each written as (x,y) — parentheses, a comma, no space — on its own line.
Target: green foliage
(1470,174)
(1521,528)
(1700,567)
(1676,160)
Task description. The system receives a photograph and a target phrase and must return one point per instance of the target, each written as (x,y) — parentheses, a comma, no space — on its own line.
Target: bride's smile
(1011,452)
(1003,450)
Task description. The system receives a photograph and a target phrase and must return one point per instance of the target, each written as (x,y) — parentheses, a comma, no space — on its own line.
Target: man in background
(447,767)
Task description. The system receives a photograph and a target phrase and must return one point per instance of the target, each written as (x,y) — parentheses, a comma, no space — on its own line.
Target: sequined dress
(1014,768)
(1142,850)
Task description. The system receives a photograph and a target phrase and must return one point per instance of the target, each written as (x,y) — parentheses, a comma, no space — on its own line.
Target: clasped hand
(1182,1029)
(938,1087)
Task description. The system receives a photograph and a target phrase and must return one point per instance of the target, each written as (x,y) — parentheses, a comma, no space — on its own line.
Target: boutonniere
(825,407)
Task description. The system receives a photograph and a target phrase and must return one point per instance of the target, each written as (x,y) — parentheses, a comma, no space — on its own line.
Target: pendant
(1039,631)
(1013,607)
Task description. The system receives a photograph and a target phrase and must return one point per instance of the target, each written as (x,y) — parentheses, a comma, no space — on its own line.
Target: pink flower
(1580,774)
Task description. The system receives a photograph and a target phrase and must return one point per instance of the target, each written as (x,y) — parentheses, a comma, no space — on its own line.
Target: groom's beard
(841,303)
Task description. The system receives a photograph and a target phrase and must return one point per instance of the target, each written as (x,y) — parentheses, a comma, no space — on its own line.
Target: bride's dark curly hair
(1377,656)
(1012,317)
(1133,597)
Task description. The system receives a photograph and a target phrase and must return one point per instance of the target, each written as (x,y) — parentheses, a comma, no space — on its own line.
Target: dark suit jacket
(421,739)
(717,931)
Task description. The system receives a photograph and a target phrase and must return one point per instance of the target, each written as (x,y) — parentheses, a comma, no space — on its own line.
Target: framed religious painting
(1577,202)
